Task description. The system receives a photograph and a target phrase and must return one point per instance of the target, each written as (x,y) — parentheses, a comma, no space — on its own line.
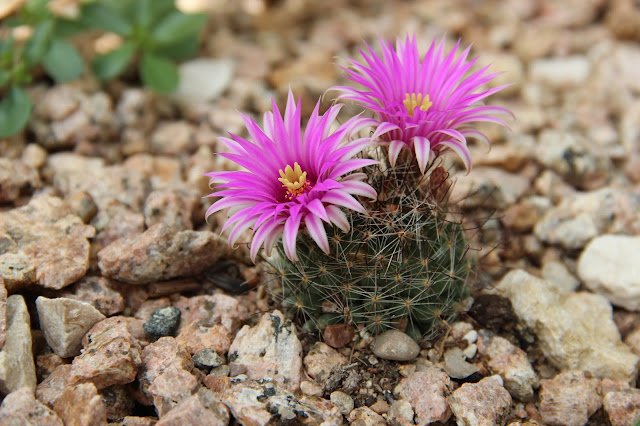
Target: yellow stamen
(414,100)
(294,180)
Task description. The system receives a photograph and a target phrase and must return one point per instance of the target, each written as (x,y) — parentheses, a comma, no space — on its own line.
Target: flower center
(294,180)
(414,100)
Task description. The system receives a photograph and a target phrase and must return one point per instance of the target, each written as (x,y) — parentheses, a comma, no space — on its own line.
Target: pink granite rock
(166,377)
(96,291)
(622,407)
(16,178)
(17,369)
(111,355)
(196,337)
(173,138)
(135,421)
(320,359)
(200,409)
(21,408)
(427,391)
(46,363)
(486,403)
(511,363)
(171,206)
(213,309)
(115,221)
(270,349)
(81,405)
(50,389)
(570,398)
(161,253)
(118,401)
(45,244)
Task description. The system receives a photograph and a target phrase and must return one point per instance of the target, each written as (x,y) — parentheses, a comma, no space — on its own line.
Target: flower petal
(316,230)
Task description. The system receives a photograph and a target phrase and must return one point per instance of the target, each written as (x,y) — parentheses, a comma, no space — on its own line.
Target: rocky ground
(120,305)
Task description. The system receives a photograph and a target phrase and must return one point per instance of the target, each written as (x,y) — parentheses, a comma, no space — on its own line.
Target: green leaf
(111,64)
(177,26)
(4,77)
(15,109)
(180,50)
(158,73)
(63,61)
(149,11)
(37,45)
(97,15)
(65,28)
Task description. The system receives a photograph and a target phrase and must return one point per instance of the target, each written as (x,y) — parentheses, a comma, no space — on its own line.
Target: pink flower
(423,105)
(292,180)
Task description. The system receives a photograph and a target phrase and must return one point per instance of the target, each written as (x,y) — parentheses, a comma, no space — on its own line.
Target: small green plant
(154,30)
(47,46)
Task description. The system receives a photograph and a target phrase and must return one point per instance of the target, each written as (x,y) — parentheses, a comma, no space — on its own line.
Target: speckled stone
(21,408)
(569,399)
(163,322)
(200,409)
(396,346)
(17,368)
(426,391)
(486,403)
(81,405)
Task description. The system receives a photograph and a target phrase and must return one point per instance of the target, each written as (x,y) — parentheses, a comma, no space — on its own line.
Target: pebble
(455,364)
(365,416)
(17,368)
(163,322)
(50,389)
(270,349)
(489,188)
(111,355)
(17,179)
(161,253)
(64,323)
(203,79)
(395,345)
(609,266)
(118,401)
(470,351)
(200,409)
(311,388)
(342,401)
(470,337)
(98,292)
(172,138)
(21,408)
(426,391)
(560,72)
(569,399)
(198,336)
(171,206)
(485,403)
(3,312)
(44,243)
(622,407)
(166,375)
(559,276)
(511,363)
(229,311)
(207,359)
(595,344)
(400,413)
(338,335)
(83,206)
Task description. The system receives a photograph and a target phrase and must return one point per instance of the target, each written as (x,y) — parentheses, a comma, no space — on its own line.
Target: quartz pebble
(395,345)
(342,401)
(321,359)
(17,368)
(64,323)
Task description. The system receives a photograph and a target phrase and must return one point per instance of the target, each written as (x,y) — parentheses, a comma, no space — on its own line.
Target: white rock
(610,266)
(470,351)
(557,274)
(400,413)
(489,187)
(17,369)
(560,72)
(270,349)
(203,80)
(471,336)
(64,323)
(575,331)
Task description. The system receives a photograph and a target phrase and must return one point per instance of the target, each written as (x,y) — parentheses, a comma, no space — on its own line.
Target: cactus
(401,265)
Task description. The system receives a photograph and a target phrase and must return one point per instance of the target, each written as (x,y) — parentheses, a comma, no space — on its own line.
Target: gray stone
(270,349)
(64,323)
(455,364)
(575,331)
(610,266)
(17,369)
(203,80)
(396,346)
(489,188)
(207,359)
(342,401)
(163,321)
(485,403)
(560,72)
(557,274)
(400,413)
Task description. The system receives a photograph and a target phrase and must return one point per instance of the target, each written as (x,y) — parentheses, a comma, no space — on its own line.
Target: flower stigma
(414,100)
(294,180)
